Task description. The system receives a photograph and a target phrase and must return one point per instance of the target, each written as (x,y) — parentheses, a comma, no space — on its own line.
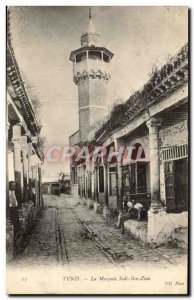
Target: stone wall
(106,212)
(163,227)
(74,138)
(9,240)
(27,217)
(90,203)
(98,209)
(92,100)
(84,123)
(138,230)
(101,198)
(112,203)
(92,92)
(97,115)
(74,190)
(174,135)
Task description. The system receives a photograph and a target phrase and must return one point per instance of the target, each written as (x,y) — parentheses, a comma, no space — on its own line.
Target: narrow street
(68,233)
(97,107)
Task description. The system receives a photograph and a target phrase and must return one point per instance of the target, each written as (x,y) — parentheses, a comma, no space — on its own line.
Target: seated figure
(131,210)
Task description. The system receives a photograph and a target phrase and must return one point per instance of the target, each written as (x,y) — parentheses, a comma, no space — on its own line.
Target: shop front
(135,180)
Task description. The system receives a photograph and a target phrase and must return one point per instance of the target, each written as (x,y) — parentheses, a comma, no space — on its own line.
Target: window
(181,183)
(89,185)
(125,180)
(75,175)
(112,181)
(176,185)
(141,178)
(84,181)
(96,55)
(105,58)
(80,57)
(101,179)
(137,151)
(132,176)
(134,179)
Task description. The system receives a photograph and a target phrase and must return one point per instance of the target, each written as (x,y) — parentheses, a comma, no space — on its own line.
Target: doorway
(176,184)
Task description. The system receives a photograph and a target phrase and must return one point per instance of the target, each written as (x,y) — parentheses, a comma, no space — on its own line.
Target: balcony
(90,64)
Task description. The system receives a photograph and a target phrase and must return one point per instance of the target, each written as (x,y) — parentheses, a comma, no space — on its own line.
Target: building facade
(154,121)
(24,155)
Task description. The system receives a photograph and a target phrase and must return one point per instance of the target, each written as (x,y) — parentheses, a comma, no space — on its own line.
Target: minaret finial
(90,13)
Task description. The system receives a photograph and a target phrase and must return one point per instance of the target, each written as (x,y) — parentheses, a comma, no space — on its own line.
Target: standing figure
(13,207)
(122,210)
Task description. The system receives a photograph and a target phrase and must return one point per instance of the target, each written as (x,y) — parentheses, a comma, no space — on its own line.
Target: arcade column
(16,139)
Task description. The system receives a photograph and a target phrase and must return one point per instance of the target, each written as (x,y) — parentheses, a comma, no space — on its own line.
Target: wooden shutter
(101,179)
(169,186)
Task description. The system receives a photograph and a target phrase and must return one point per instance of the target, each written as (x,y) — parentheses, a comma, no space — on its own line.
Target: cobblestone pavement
(69,233)
(42,246)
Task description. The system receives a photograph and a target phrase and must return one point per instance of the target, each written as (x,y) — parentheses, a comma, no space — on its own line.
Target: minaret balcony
(89,67)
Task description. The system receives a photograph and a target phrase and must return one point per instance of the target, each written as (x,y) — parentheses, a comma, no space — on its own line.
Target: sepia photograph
(97,150)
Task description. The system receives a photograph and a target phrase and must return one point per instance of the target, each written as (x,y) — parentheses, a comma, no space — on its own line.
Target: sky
(43,38)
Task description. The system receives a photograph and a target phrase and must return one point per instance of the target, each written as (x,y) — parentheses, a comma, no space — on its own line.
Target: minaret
(91,74)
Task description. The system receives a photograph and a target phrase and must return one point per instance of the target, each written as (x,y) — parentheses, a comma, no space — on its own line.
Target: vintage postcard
(97,150)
